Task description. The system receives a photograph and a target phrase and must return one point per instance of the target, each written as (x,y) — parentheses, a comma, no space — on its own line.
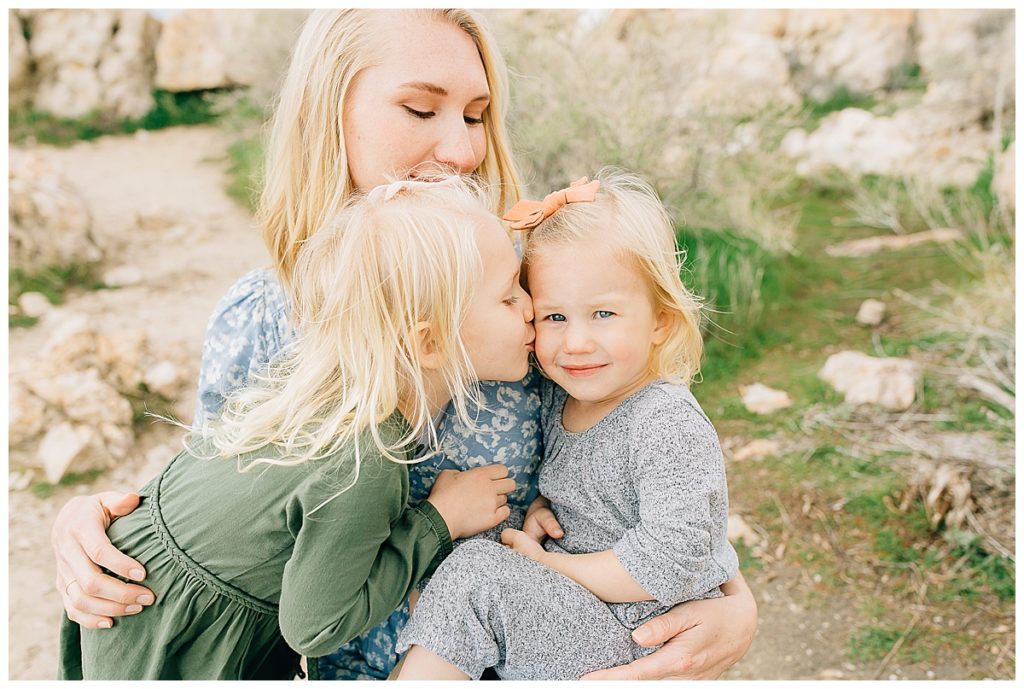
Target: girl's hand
(524,543)
(541,522)
(474,500)
(80,544)
(703,638)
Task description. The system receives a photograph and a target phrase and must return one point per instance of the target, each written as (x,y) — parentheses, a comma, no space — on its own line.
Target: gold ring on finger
(67,586)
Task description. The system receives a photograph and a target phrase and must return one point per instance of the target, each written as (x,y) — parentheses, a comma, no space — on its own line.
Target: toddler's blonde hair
(628,215)
(306,173)
(362,284)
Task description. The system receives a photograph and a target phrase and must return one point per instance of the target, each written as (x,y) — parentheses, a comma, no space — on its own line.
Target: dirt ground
(207,242)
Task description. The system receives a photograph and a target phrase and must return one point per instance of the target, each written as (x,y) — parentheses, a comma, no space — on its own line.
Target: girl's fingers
(502,500)
(550,524)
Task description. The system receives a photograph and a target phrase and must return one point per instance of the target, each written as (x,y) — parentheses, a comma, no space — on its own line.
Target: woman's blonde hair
(364,283)
(306,172)
(628,215)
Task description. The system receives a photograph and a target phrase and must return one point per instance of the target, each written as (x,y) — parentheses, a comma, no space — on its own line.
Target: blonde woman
(370,94)
(632,475)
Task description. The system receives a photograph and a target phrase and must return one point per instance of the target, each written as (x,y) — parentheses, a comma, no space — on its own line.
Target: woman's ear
(663,324)
(426,346)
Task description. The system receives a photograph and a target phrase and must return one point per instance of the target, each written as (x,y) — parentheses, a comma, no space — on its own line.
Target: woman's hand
(523,543)
(540,521)
(474,500)
(703,638)
(80,544)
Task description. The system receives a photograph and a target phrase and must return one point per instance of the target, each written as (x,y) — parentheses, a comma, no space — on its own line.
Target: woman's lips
(583,371)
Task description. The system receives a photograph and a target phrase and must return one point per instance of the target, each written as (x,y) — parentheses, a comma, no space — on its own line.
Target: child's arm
(601,573)
(356,558)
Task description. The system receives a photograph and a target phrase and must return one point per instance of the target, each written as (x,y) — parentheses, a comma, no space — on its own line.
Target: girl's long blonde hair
(363,283)
(628,215)
(306,172)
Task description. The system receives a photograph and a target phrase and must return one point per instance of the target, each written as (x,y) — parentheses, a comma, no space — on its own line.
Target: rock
(26,415)
(873,245)
(69,343)
(165,379)
(93,60)
(59,449)
(205,49)
(19,63)
(49,221)
(34,304)
(831,673)
(888,382)
(123,276)
(919,142)
(859,49)
(1004,181)
(757,450)
(762,399)
(741,532)
(756,69)
(871,312)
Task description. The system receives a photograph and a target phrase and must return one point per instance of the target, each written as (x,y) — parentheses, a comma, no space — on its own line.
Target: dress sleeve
(248,327)
(678,550)
(356,558)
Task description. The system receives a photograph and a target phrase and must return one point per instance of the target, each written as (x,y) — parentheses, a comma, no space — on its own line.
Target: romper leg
(489,606)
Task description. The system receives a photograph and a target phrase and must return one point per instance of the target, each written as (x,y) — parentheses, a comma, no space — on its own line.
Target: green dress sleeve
(357,557)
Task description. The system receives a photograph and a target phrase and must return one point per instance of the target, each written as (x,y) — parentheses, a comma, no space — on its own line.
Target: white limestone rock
(34,304)
(757,450)
(761,399)
(871,312)
(890,383)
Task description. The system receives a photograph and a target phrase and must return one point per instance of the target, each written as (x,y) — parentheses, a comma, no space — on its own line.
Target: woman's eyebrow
(438,90)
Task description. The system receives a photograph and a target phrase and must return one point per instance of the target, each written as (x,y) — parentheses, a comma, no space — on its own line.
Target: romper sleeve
(357,558)
(678,550)
(248,327)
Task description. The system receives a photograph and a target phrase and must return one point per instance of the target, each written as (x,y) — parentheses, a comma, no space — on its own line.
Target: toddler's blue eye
(604,314)
(556,317)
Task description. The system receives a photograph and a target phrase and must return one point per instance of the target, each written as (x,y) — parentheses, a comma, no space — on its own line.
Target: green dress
(248,574)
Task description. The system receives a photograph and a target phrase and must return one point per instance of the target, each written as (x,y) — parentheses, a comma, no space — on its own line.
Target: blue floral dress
(250,327)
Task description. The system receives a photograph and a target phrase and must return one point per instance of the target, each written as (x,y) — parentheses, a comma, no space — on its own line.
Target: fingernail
(104,624)
(133,608)
(641,635)
(144,599)
(137,574)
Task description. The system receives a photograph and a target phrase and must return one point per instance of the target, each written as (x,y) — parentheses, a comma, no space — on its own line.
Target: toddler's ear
(663,325)
(426,345)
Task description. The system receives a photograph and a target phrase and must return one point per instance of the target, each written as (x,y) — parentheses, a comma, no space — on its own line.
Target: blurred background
(843,186)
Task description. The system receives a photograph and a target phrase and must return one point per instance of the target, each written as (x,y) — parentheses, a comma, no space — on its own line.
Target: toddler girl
(632,467)
(403,302)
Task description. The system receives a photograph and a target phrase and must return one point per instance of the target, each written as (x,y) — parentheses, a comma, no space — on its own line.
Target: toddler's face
(596,321)
(498,331)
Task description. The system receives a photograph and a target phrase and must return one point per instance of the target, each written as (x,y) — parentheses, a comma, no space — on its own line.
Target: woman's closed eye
(427,114)
(511,301)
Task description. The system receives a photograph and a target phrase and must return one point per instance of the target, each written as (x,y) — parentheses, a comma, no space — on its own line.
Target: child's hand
(521,542)
(472,501)
(541,522)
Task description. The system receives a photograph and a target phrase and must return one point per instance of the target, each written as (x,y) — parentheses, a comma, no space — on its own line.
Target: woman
(370,94)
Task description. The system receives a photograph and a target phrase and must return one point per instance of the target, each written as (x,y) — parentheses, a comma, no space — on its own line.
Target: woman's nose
(455,148)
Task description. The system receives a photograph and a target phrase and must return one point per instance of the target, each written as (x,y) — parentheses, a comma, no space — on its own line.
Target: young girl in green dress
(409,296)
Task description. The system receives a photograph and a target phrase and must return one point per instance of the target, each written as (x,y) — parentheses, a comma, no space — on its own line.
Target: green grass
(840,99)
(245,167)
(169,110)
(51,282)
(44,489)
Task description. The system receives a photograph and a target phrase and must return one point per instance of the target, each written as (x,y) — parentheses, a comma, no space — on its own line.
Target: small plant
(52,282)
(44,489)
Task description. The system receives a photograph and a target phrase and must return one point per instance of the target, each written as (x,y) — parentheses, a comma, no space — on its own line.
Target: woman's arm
(703,638)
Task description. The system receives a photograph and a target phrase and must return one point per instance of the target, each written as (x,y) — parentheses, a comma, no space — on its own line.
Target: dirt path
(193,243)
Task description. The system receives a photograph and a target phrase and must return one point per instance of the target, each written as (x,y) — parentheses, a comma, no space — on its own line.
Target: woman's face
(424,103)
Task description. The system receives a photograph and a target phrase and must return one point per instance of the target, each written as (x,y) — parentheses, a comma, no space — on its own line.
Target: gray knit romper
(647,482)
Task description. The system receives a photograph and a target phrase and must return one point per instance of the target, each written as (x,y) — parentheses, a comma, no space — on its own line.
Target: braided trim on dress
(192,567)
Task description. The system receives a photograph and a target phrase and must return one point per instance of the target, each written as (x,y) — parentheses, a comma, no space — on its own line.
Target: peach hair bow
(526,215)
